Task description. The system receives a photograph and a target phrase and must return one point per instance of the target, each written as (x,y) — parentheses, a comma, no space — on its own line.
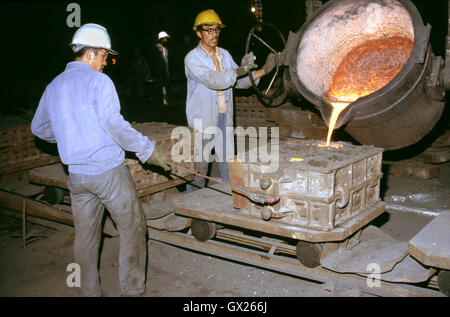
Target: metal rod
(271,82)
(262,41)
(61,214)
(252,197)
(24,223)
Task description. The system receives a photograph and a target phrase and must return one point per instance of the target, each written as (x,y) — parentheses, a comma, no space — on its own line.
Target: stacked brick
(292,121)
(297,123)
(18,149)
(146,177)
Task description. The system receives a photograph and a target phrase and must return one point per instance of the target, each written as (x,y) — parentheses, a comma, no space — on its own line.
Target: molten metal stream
(364,70)
(337,109)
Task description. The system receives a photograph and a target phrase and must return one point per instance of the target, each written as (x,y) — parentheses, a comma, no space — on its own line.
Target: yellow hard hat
(207,17)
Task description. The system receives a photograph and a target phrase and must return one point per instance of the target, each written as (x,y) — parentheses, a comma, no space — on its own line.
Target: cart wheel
(53,195)
(203,230)
(309,253)
(444,282)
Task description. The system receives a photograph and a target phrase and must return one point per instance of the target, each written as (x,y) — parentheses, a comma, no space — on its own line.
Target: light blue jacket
(204,82)
(80,111)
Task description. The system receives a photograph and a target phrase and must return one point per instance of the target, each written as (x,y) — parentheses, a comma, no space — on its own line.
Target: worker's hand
(159,158)
(247,63)
(270,63)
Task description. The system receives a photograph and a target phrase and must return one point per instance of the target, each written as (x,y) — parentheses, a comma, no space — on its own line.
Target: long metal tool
(252,197)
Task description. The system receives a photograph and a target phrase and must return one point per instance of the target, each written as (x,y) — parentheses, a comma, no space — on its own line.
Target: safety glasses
(212,30)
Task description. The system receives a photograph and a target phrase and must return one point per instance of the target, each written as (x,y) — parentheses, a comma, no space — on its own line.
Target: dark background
(35,36)
(38,35)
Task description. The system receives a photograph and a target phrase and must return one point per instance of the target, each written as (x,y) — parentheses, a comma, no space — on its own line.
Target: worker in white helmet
(211,76)
(159,61)
(80,111)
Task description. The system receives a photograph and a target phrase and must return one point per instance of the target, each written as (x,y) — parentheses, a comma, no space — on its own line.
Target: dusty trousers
(202,167)
(116,191)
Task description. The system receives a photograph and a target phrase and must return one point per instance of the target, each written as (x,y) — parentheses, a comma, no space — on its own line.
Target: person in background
(80,111)
(211,76)
(159,61)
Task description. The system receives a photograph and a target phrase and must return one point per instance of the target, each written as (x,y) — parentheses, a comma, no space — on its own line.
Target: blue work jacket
(80,111)
(204,83)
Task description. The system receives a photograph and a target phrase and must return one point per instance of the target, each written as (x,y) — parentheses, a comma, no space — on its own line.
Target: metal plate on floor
(407,271)
(374,246)
(431,245)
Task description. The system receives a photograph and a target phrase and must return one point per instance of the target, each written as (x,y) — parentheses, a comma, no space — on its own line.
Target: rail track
(277,256)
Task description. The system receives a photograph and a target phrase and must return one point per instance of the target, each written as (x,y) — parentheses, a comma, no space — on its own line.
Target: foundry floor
(40,268)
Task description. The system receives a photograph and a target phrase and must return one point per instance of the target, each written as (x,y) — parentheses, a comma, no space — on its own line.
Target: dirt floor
(39,269)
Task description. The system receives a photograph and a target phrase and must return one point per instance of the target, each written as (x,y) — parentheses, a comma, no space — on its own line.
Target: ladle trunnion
(393,116)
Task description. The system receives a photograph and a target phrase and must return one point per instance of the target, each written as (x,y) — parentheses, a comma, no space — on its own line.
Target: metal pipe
(257,199)
(16,202)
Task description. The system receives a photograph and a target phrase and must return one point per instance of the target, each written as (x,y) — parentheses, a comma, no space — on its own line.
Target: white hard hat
(92,35)
(162,34)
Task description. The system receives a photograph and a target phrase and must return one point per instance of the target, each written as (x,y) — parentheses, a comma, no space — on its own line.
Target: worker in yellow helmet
(211,76)
(207,17)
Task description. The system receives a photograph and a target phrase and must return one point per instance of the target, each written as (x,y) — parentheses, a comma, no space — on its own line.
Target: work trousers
(116,191)
(202,167)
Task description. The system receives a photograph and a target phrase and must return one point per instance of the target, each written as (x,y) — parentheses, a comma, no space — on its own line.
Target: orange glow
(337,109)
(348,92)
(336,146)
(113,61)
(364,70)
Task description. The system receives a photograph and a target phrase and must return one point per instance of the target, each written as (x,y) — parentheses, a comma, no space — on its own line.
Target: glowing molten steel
(364,70)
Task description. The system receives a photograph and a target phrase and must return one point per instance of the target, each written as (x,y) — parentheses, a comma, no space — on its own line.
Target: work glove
(270,63)
(247,63)
(159,158)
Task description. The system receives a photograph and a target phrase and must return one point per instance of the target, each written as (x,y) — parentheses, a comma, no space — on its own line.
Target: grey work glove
(159,158)
(247,63)
(270,63)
